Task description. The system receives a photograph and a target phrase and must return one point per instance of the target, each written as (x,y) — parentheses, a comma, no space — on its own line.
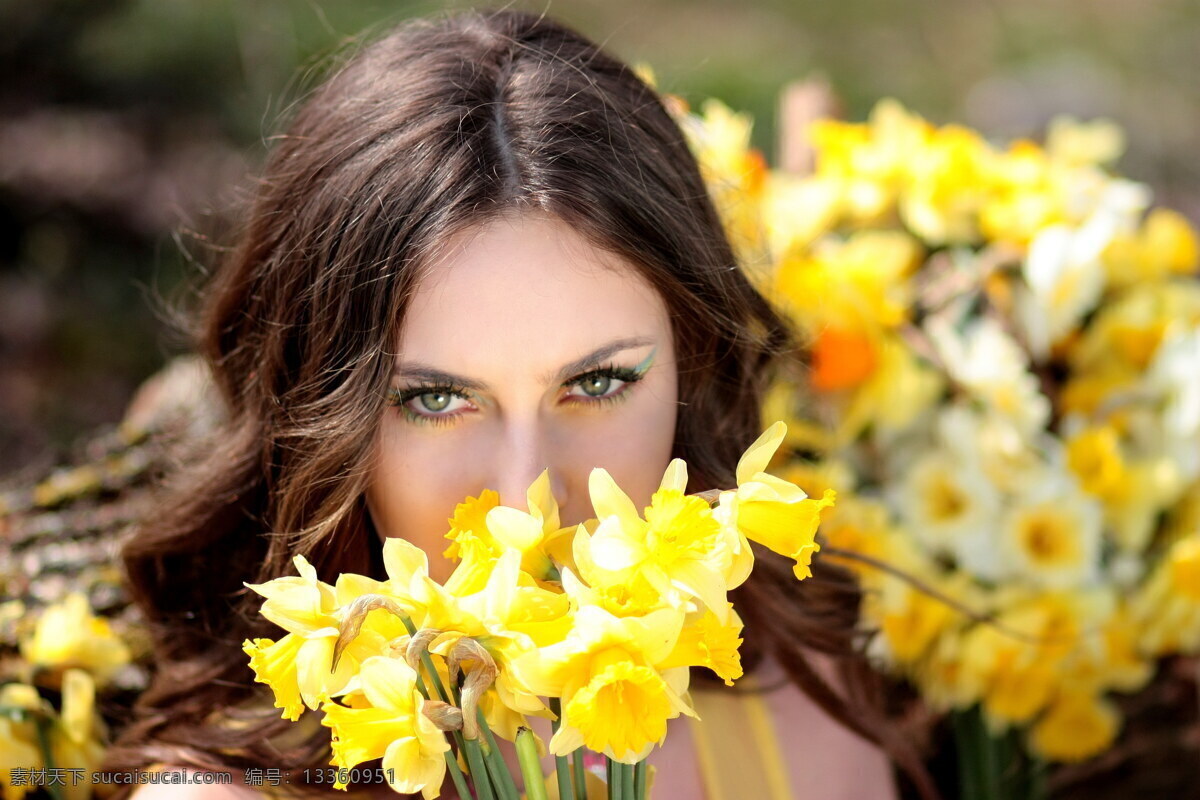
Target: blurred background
(128,130)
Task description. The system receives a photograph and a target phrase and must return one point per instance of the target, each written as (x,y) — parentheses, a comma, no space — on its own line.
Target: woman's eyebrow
(428,374)
(425,372)
(594,358)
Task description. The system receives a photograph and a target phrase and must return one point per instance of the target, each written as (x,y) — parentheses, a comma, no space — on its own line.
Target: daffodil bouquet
(592,626)
(1002,383)
(52,735)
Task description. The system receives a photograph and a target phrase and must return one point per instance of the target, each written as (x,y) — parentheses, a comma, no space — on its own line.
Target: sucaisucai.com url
(175,776)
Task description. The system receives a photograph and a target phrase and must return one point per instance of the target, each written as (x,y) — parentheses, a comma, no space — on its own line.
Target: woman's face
(525,348)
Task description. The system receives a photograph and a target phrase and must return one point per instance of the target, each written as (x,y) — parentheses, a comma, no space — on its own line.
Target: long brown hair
(437,126)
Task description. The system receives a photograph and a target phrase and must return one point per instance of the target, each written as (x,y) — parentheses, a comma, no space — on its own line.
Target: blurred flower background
(127,129)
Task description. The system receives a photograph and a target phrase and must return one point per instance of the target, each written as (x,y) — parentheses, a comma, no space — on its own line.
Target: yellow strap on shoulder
(737,746)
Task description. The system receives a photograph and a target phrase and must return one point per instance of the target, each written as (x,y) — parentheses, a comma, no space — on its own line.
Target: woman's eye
(436,403)
(608,384)
(433,402)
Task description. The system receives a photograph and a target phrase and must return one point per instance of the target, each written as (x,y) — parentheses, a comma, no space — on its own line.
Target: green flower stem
(479,773)
(626,773)
(616,786)
(460,780)
(427,663)
(497,767)
(562,771)
(456,774)
(531,765)
(994,767)
(1035,787)
(579,775)
(639,780)
(451,759)
(969,776)
(989,753)
(42,726)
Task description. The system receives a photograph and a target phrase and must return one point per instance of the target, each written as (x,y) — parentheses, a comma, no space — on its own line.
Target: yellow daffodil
(275,664)
(1166,245)
(734,171)
(798,210)
(898,391)
(942,675)
(386,721)
(509,616)
(859,525)
(69,635)
(1051,536)
(1076,726)
(870,161)
(1095,458)
(945,187)
(1017,664)
(17,751)
(908,619)
(1133,506)
(302,662)
(77,740)
(1025,195)
(482,530)
(19,738)
(857,284)
(621,596)
(1167,609)
(771,511)
(615,699)
(950,507)
(706,641)
(530,532)
(987,362)
(472,544)
(1109,658)
(678,545)
(1076,143)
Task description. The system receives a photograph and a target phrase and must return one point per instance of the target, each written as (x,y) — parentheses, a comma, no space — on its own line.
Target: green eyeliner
(641,367)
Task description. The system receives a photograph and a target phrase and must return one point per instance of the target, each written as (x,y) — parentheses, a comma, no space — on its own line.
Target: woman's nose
(528,450)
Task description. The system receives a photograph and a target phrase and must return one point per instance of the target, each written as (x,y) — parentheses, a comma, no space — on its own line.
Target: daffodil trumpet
(594,627)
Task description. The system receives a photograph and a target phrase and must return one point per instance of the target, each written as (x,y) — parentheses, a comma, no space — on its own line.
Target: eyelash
(401,397)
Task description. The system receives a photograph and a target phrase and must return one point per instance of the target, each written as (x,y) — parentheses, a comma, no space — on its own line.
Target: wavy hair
(439,125)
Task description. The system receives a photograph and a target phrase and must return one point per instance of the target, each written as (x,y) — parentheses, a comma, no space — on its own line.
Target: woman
(481,249)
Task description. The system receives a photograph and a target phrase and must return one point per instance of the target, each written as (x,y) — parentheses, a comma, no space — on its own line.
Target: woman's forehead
(526,292)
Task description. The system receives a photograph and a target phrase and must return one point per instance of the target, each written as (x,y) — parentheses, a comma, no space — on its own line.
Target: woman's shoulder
(799,750)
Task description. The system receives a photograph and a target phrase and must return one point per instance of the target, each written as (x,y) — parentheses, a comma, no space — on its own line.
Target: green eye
(596,385)
(430,404)
(434,401)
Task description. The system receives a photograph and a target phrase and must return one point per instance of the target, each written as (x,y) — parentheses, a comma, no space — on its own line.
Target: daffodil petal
(701,581)
(514,528)
(403,560)
(388,683)
(758,455)
(612,549)
(656,633)
(608,500)
(676,476)
(542,504)
(567,740)
(307,571)
(78,703)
